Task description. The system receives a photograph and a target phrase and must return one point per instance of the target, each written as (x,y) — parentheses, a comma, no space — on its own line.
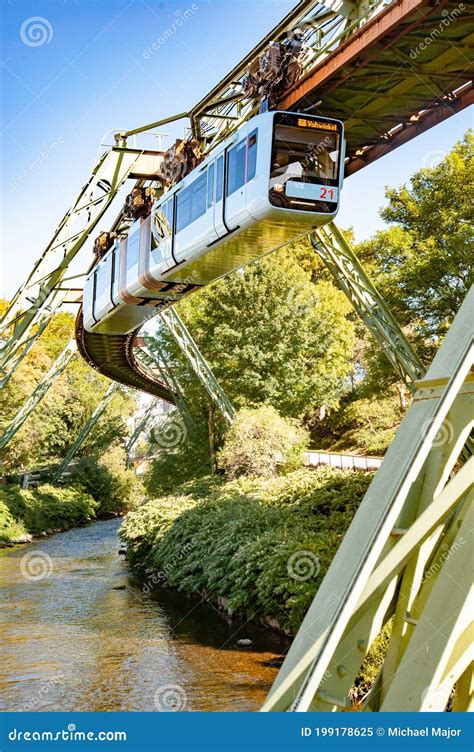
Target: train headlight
(279,188)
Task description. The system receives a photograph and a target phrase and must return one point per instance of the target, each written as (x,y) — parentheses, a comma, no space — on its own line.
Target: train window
(162,223)
(115,271)
(219,177)
(133,246)
(101,288)
(304,155)
(210,185)
(113,274)
(252,156)
(191,203)
(236,167)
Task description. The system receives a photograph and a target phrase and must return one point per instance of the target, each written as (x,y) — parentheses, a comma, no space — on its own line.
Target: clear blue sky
(92,74)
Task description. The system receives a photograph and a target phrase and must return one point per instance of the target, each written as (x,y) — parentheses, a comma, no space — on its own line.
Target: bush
(43,508)
(259,440)
(235,538)
(176,465)
(107,479)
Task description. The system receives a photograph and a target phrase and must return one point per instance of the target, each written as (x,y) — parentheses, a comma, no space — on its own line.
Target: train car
(277,178)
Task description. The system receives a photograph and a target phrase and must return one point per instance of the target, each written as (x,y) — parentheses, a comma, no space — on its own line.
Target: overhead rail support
(349,275)
(87,428)
(39,392)
(38,298)
(198,363)
(141,425)
(406,557)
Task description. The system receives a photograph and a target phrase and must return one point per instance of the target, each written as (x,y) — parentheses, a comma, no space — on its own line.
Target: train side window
(236,167)
(112,274)
(210,185)
(133,245)
(219,177)
(191,203)
(115,271)
(162,223)
(252,156)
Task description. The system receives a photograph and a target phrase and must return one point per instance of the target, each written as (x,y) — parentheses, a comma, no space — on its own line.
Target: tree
(273,336)
(423,262)
(55,423)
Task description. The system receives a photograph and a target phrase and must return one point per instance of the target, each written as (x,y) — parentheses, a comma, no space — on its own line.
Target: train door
(219,223)
(235,166)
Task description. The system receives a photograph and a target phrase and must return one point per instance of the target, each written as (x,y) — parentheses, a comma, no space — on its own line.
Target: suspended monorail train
(278,176)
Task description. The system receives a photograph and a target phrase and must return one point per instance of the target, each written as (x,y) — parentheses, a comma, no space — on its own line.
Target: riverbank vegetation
(25,513)
(259,545)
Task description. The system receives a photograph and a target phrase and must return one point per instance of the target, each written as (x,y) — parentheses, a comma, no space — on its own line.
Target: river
(78,633)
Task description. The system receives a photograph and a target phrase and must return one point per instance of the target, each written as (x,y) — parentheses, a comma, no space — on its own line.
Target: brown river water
(77,633)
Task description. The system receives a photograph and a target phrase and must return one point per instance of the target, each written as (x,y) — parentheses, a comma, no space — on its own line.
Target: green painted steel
(85,431)
(38,298)
(198,363)
(408,539)
(141,425)
(39,392)
(350,276)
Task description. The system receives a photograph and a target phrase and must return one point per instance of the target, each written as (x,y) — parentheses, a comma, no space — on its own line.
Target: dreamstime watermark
(36,31)
(444,434)
(448,551)
(36,565)
(303,565)
(169,433)
(46,151)
(45,688)
(435,697)
(170,698)
(160,577)
(180,19)
(448,18)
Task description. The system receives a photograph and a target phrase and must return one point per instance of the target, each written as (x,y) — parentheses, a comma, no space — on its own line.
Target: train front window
(304,151)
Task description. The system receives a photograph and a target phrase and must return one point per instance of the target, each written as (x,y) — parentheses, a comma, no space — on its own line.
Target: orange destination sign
(303,123)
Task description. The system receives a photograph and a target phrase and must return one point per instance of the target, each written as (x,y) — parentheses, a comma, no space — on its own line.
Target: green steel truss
(87,428)
(152,357)
(142,424)
(40,296)
(198,363)
(349,275)
(326,24)
(407,556)
(39,392)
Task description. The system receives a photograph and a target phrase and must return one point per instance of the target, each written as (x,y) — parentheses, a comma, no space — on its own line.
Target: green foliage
(43,508)
(360,424)
(176,465)
(259,440)
(271,335)
(55,423)
(105,476)
(235,539)
(423,262)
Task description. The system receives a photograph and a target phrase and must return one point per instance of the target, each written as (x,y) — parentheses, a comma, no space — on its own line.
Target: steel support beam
(409,538)
(349,275)
(39,392)
(141,425)
(87,428)
(198,363)
(36,299)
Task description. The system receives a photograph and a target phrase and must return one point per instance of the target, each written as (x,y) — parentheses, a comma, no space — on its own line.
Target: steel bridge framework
(390,71)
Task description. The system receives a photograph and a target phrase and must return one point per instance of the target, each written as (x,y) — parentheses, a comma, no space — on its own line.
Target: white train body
(278,177)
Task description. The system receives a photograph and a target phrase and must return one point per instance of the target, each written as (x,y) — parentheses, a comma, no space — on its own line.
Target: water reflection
(87,638)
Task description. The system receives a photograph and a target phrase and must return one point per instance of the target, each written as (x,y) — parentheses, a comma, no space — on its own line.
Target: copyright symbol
(380,731)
